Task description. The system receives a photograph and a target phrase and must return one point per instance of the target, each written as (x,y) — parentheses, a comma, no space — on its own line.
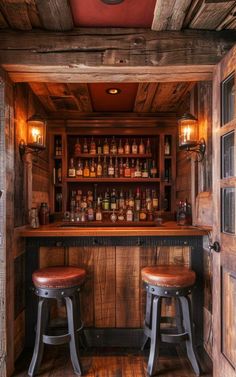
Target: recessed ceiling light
(112,2)
(113,91)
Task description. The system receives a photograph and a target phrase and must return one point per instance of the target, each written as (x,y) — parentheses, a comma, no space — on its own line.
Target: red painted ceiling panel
(130,13)
(102,101)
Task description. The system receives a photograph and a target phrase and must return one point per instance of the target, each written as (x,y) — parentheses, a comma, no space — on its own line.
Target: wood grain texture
(3,23)
(127,287)
(170,14)
(210,14)
(55,14)
(84,257)
(104,287)
(16,14)
(19,334)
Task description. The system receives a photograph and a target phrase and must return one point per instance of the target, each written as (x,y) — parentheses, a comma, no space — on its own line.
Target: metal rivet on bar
(177,292)
(153,289)
(62,293)
(166,292)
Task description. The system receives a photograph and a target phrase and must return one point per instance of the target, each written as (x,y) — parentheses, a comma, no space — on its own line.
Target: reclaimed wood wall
(30,189)
(113,295)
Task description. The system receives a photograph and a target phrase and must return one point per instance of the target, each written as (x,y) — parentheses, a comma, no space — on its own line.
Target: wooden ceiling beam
(170,14)
(145,94)
(16,14)
(55,14)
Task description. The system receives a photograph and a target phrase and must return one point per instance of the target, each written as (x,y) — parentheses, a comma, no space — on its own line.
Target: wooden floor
(108,363)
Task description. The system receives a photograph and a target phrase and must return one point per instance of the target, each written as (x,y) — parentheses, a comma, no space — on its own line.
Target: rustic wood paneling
(19,334)
(127,287)
(104,287)
(145,94)
(170,14)
(169,95)
(3,23)
(55,14)
(16,14)
(19,284)
(84,257)
(52,256)
(211,13)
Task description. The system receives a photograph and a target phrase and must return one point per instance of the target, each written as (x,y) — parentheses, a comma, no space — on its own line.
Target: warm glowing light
(113,91)
(187,134)
(36,135)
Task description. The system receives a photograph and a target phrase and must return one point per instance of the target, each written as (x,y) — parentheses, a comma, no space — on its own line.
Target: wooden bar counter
(113,299)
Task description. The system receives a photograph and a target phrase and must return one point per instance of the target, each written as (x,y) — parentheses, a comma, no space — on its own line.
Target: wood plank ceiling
(63,15)
(158,15)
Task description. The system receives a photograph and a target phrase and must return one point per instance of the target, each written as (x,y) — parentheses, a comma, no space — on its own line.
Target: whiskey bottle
(137,201)
(138,172)
(143,212)
(121,200)
(105,168)
(154,200)
(106,201)
(120,148)
(127,147)
(113,146)
(99,168)
(121,168)
(106,147)
(134,147)
(99,148)
(77,147)
(92,147)
(116,168)
(71,170)
(127,172)
(153,170)
(59,173)
(132,169)
(131,199)
(113,199)
(167,146)
(145,173)
(141,148)
(148,201)
(85,146)
(79,169)
(111,170)
(98,215)
(93,169)
(148,147)
(113,216)
(129,214)
(86,172)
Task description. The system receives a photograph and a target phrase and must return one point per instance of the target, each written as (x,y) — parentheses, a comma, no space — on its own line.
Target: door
(224,228)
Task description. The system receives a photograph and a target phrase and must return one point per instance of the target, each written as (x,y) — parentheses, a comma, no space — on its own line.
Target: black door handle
(215,246)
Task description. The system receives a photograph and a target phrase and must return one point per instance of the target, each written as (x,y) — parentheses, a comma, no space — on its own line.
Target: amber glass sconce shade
(36,136)
(188,136)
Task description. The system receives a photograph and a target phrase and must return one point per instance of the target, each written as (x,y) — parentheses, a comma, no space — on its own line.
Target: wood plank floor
(108,363)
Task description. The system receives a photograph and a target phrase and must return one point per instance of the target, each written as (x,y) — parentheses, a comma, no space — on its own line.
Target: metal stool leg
(79,323)
(178,316)
(191,351)
(42,320)
(74,346)
(148,318)
(155,335)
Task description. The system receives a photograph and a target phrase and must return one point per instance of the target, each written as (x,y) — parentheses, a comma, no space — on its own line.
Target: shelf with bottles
(107,179)
(57,147)
(130,155)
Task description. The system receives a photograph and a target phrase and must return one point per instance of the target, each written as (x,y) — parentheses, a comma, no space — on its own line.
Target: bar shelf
(94,180)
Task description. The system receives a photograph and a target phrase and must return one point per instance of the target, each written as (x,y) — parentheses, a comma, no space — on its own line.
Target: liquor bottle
(106,147)
(121,215)
(143,212)
(167,173)
(131,199)
(90,212)
(120,148)
(59,173)
(92,147)
(79,169)
(132,169)
(111,170)
(99,148)
(121,168)
(56,146)
(154,200)
(86,171)
(71,170)
(137,200)
(113,199)
(113,146)
(127,147)
(148,201)
(98,215)
(116,168)
(134,147)
(129,214)
(113,216)
(145,173)
(99,168)
(93,169)
(127,172)
(84,203)
(141,148)
(121,200)
(85,146)
(106,201)
(138,172)
(167,146)
(105,168)
(148,147)
(72,200)
(77,148)
(89,196)
(153,170)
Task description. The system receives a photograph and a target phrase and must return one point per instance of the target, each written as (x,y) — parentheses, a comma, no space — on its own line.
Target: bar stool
(60,283)
(161,282)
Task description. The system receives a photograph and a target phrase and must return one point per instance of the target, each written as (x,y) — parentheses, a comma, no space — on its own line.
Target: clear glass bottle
(167,146)
(98,215)
(71,170)
(129,214)
(137,200)
(113,216)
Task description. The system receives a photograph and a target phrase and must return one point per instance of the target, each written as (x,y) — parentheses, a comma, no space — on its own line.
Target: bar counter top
(58,230)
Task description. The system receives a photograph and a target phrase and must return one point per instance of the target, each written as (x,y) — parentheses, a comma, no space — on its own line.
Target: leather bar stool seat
(168,281)
(62,284)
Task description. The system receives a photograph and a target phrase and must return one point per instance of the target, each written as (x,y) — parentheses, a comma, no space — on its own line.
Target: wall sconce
(36,136)
(188,136)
